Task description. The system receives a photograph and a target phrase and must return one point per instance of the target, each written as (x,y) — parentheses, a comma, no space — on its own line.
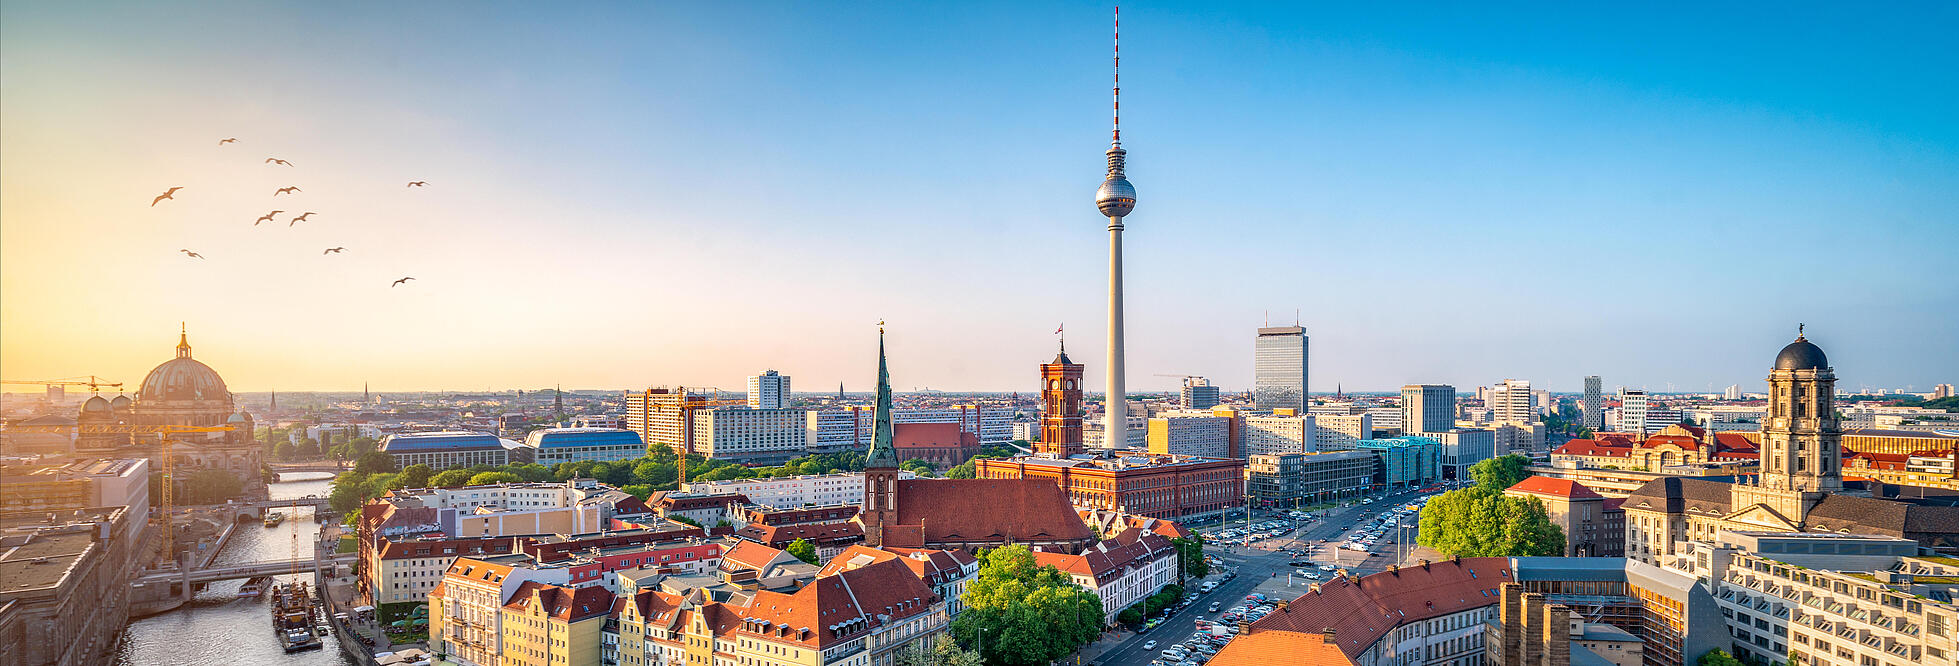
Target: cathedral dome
(95,404)
(1801,355)
(183,378)
(120,403)
(240,417)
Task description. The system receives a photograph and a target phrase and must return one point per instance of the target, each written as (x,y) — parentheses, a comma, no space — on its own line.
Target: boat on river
(253,588)
(273,518)
(292,616)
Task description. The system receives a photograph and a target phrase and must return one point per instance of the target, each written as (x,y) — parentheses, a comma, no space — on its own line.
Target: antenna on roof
(1116,135)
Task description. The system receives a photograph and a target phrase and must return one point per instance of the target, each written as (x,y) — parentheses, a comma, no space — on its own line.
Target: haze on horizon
(630,195)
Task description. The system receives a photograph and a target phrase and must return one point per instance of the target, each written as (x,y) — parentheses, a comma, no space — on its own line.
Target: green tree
(374,461)
(919,467)
(1500,473)
(487,478)
(948,653)
(1478,522)
(416,476)
(685,520)
(1190,553)
(308,450)
(1130,616)
(531,472)
(803,550)
(451,478)
(1028,614)
(641,491)
(964,470)
(1718,657)
(348,493)
(282,451)
(361,445)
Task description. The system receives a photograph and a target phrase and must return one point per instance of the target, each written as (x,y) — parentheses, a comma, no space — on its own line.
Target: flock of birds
(169,195)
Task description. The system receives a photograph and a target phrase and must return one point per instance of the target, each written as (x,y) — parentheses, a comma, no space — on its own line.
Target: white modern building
(769,390)
(1632,411)
(447,449)
(793,492)
(1512,400)
(1462,447)
(1286,432)
(551,446)
(752,435)
(1198,393)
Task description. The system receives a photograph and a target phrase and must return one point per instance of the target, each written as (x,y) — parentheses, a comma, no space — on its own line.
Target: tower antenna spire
(1116,42)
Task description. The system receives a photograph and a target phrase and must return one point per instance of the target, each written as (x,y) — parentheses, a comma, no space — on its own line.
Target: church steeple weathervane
(183,340)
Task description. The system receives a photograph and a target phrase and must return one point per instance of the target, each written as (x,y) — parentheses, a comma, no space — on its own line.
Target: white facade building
(793,492)
(1202,436)
(1512,400)
(751,434)
(1632,412)
(769,390)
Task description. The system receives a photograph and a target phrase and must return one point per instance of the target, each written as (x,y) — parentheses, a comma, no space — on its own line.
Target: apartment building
(1427,408)
(769,390)
(1200,436)
(789,492)
(1121,571)
(1593,525)
(750,435)
(1825,599)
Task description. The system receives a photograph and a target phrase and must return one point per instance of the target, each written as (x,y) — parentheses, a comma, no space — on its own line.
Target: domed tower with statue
(183,391)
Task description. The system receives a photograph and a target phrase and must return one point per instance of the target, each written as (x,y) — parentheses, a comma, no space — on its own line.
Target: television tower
(1116,198)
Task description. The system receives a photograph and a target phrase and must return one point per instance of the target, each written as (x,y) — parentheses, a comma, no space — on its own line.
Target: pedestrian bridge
(318,502)
(238,571)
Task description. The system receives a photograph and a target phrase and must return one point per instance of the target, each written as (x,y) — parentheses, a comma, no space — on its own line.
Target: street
(1263,568)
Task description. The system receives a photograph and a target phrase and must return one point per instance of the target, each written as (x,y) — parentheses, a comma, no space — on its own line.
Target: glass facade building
(1279,368)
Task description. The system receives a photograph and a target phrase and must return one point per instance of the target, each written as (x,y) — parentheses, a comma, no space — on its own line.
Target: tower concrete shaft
(1115,418)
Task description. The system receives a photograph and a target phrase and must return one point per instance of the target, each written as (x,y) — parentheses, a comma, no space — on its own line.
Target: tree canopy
(374,461)
(1018,613)
(488,478)
(450,478)
(1478,522)
(803,550)
(1718,657)
(1190,554)
(416,476)
(1501,472)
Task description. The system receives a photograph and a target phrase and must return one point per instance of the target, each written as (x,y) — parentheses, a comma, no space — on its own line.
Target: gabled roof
(839,606)
(1594,448)
(1550,487)
(1361,611)
(744,554)
(965,510)
(561,603)
(934,566)
(815,533)
(1274,646)
(1675,494)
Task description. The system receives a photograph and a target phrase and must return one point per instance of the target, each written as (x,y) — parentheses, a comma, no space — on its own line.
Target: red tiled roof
(843,605)
(1544,485)
(1593,447)
(562,603)
(1110,559)
(1270,646)
(1612,503)
(816,533)
(956,510)
(1361,611)
(751,555)
(930,435)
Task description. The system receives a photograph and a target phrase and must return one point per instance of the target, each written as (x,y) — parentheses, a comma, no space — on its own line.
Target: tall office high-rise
(1198,393)
(1279,368)
(1511,401)
(1733,392)
(1594,403)
(1116,199)
(768,390)
(1428,408)
(1632,412)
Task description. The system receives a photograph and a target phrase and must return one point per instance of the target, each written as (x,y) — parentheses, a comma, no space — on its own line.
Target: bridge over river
(236,571)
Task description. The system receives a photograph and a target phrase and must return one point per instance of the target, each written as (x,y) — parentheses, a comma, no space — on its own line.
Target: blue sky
(624,195)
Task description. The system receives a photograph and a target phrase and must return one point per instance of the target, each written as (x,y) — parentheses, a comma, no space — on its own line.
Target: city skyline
(1670,213)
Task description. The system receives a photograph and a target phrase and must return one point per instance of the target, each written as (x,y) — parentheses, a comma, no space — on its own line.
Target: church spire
(183,341)
(883,453)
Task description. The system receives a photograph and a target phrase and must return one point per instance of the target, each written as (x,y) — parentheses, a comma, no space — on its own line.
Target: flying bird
(267,217)
(191,254)
(166,195)
(333,250)
(301,217)
(275,160)
(225,141)
(398,282)
(417,183)
(283,190)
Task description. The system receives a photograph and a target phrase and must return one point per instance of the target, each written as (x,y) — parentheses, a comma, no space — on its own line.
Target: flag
(1057,329)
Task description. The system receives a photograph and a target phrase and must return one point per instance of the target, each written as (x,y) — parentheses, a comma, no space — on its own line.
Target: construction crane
(95,384)
(163,451)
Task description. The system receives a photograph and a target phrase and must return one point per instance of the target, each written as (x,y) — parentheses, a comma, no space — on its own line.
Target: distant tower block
(1061,406)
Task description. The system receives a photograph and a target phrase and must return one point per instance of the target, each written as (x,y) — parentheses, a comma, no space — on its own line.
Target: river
(216,627)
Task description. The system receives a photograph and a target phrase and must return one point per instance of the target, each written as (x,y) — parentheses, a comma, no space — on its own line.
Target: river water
(216,627)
